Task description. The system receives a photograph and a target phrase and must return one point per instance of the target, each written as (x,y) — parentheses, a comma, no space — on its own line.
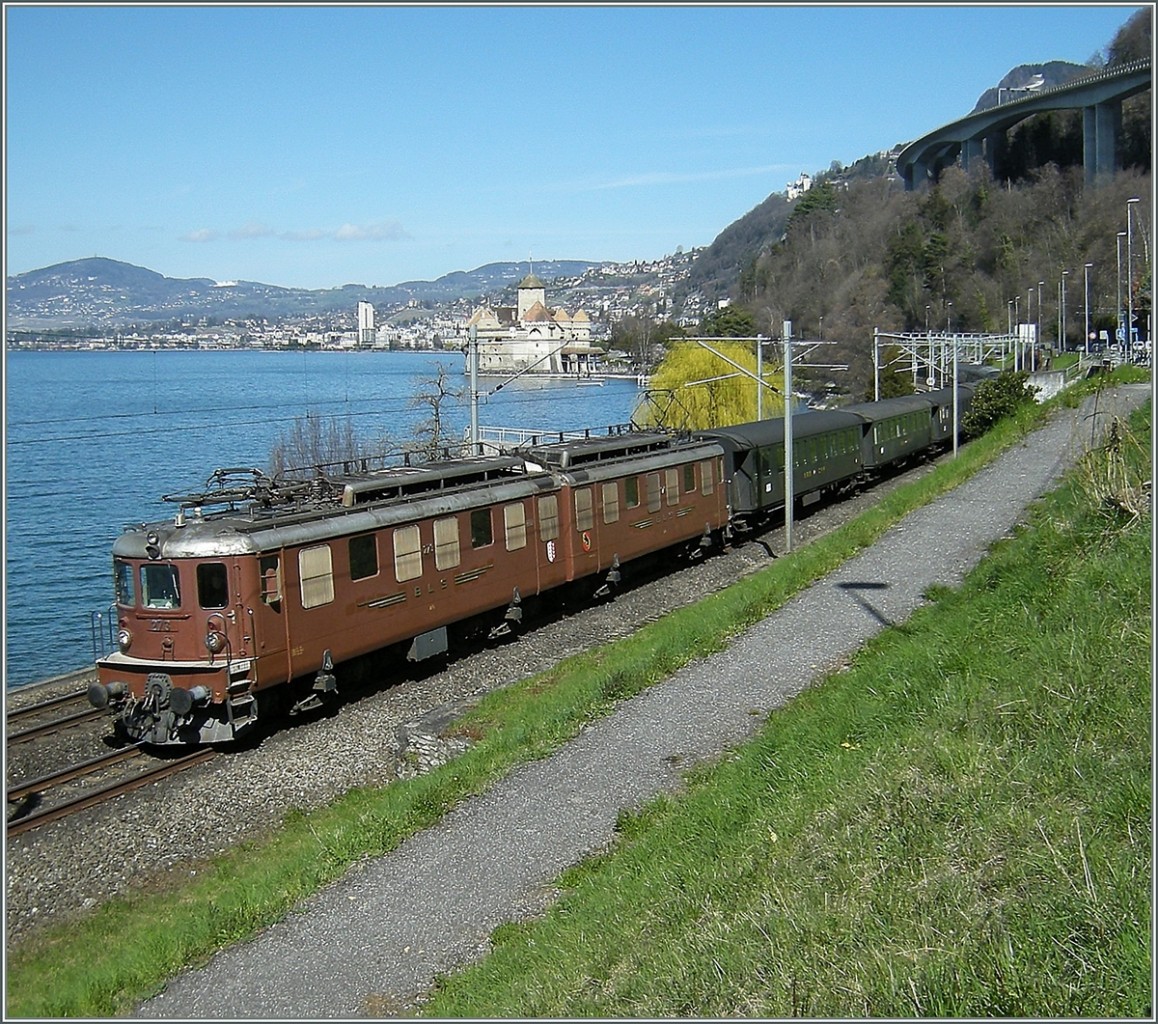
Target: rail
(29,816)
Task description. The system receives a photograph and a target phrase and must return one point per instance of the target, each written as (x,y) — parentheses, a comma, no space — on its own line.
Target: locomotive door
(271,627)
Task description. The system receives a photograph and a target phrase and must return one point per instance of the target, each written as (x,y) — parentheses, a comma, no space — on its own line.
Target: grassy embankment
(958,825)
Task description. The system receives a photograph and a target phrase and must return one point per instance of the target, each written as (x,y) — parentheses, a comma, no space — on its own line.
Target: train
(247,602)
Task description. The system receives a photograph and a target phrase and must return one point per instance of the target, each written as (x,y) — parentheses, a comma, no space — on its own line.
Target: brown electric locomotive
(256,590)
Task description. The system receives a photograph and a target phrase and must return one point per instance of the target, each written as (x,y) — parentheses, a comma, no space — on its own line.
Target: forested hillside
(857,252)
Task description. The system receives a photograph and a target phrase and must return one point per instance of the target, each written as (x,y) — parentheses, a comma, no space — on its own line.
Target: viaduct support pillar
(971,153)
(1101,131)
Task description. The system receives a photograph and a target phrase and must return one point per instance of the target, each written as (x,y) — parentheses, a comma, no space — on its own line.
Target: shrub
(996,398)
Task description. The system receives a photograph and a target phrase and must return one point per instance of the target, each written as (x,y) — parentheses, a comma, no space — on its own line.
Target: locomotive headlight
(215,642)
(124,639)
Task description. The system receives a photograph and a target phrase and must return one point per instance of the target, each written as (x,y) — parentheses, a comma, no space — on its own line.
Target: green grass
(74,970)
(958,826)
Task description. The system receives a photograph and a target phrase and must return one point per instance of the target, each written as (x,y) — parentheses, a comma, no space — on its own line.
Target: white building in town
(798,187)
(366,333)
(530,336)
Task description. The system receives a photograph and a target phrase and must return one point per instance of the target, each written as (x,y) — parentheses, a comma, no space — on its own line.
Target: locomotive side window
(515,522)
(689,478)
(123,582)
(212,585)
(631,491)
(653,492)
(446,549)
(549,517)
(317,571)
(707,478)
(673,486)
(270,566)
(481,532)
(407,553)
(159,586)
(363,557)
(584,509)
(611,503)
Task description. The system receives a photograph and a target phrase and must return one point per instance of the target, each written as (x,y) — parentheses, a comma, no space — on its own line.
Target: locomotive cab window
(653,492)
(515,524)
(407,553)
(631,492)
(689,478)
(270,566)
(160,587)
(673,486)
(317,572)
(707,478)
(611,503)
(212,585)
(446,549)
(481,531)
(584,509)
(363,557)
(123,582)
(549,517)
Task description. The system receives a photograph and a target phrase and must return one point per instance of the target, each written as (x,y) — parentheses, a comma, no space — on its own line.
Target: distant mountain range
(100,291)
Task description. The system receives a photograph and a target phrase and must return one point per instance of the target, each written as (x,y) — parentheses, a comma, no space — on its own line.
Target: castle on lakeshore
(530,336)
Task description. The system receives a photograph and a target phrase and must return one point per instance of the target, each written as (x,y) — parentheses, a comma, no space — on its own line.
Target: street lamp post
(1037,333)
(1119,333)
(1061,340)
(1029,321)
(1130,275)
(1017,327)
(945,347)
(1087,345)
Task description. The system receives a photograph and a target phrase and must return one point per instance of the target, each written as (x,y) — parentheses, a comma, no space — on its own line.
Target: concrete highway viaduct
(979,136)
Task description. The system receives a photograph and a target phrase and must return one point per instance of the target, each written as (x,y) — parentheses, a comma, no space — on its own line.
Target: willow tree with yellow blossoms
(695,389)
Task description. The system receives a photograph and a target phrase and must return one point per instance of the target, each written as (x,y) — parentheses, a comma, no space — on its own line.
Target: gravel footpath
(371,944)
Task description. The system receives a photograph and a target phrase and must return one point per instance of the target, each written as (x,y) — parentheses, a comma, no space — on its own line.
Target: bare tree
(311,441)
(430,439)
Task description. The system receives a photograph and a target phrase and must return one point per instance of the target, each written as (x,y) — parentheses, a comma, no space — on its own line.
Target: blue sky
(316,146)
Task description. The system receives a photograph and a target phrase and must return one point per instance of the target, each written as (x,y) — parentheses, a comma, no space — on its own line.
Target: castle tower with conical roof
(531,290)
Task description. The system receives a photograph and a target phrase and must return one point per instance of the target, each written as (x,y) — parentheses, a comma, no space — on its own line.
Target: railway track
(25,800)
(40,732)
(44,718)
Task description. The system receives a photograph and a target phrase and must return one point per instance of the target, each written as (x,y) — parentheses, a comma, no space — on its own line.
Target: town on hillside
(566,324)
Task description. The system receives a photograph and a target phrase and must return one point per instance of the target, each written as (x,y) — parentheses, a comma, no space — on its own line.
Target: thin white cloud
(388,231)
(253,229)
(307,235)
(376,231)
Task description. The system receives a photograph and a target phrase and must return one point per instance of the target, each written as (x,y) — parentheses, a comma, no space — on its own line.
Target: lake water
(93,439)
